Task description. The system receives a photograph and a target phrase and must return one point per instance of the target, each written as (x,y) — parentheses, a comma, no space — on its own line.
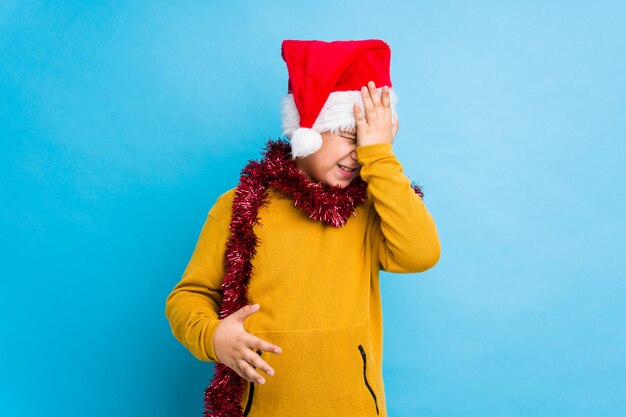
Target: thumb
(246,311)
(395,125)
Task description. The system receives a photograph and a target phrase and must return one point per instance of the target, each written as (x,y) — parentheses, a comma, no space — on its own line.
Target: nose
(353,154)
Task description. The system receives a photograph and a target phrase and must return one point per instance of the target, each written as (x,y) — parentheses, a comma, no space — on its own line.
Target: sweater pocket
(325,372)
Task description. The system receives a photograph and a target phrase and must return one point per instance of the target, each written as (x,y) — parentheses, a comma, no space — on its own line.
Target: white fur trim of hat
(336,114)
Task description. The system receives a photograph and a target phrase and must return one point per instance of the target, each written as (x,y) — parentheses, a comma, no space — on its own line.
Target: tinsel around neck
(332,205)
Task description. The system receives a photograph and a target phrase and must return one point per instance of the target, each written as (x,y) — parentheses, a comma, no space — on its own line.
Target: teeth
(346,168)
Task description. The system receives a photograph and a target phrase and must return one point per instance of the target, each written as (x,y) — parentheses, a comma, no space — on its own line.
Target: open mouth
(345,168)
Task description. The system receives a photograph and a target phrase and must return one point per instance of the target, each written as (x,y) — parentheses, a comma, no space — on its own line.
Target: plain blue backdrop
(121,122)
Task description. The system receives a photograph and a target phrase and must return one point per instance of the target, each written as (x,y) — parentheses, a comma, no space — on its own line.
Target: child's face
(337,149)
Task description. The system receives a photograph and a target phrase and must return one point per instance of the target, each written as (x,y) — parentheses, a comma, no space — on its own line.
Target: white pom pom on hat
(325,80)
(304,142)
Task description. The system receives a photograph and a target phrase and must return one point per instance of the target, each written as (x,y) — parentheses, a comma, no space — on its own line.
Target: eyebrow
(348,133)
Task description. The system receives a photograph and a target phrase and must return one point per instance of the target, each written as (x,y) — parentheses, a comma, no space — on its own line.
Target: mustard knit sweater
(319,292)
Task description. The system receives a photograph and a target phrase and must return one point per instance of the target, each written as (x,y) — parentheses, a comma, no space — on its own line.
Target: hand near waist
(236,348)
(375,126)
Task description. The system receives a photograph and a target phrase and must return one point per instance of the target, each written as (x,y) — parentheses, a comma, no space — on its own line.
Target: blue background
(121,122)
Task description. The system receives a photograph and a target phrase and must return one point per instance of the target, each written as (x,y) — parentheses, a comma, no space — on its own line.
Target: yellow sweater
(318,288)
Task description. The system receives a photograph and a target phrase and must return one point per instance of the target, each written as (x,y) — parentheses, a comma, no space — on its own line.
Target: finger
(248,372)
(386,104)
(254,342)
(371,86)
(394,127)
(256,361)
(359,118)
(246,311)
(370,112)
(386,101)
(237,367)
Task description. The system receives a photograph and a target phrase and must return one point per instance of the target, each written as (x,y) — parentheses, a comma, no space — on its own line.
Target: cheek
(327,164)
(322,171)
(326,170)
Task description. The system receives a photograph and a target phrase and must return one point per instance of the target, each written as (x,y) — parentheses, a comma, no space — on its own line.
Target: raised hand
(375,126)
(236,348)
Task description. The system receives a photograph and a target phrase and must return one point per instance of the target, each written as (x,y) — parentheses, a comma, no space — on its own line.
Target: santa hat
(325,79)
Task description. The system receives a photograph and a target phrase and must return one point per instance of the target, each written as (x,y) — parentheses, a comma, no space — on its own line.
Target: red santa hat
(325,79)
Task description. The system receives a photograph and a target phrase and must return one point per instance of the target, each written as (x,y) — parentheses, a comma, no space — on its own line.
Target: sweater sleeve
(192,307)
(409,241)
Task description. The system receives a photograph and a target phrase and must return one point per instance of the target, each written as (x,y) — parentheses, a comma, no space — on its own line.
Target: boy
(303,237)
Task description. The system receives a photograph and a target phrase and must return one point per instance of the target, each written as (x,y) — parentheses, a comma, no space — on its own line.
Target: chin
(342,184)
(337,182)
